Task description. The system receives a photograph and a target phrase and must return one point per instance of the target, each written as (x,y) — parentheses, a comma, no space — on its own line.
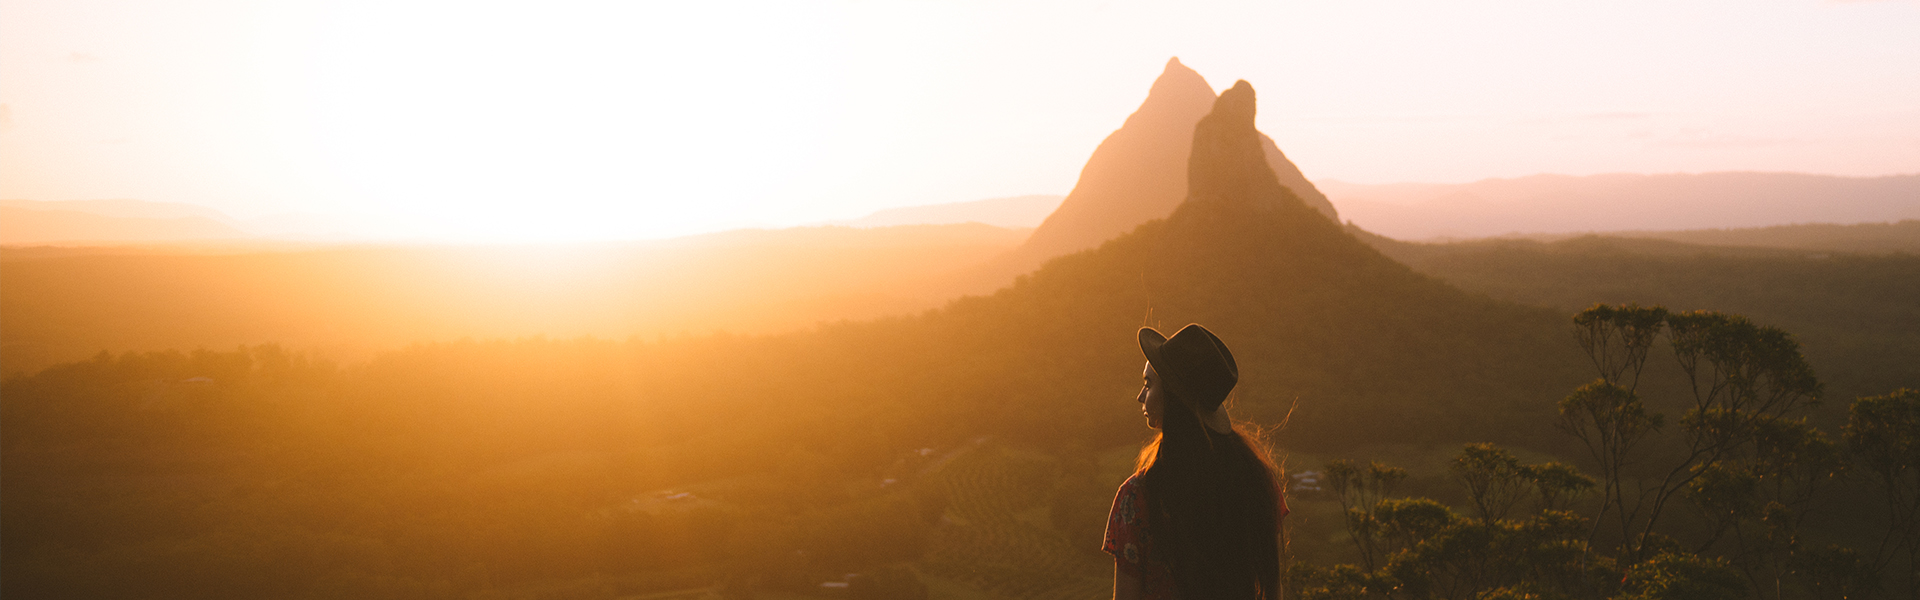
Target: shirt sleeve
(1127,528)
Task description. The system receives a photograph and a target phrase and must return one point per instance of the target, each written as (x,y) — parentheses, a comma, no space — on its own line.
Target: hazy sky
(559,120)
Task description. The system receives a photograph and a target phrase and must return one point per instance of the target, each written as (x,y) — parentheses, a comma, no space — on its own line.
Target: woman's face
(1153,398)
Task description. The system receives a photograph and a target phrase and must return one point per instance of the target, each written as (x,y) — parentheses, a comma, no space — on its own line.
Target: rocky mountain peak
(1179,97)
(1228,161)
(1140,172)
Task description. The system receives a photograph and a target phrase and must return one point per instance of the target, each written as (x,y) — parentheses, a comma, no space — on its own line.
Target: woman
(1200,517)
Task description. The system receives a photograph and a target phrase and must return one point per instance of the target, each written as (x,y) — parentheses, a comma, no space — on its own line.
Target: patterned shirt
(1132,546)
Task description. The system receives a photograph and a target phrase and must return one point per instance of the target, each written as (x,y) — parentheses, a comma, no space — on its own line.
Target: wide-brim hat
(1194,363)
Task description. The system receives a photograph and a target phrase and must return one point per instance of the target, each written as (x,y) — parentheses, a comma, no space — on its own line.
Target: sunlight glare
(480,122)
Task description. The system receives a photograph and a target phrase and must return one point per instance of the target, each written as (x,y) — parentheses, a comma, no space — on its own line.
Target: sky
(632,119)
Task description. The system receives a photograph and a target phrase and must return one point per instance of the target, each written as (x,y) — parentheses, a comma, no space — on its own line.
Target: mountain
(21,226)
(125,208)
(1617,202)
(1313,314)
(1139,173)
(1900,236)
(1014,212)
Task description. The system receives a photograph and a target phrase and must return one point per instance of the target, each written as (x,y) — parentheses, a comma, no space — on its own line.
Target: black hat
(1194,363)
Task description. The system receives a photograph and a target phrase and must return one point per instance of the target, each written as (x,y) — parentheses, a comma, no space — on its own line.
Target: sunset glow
(904,300)
(617,120)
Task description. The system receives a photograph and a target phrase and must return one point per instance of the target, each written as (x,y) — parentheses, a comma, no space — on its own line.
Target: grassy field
(1002,535)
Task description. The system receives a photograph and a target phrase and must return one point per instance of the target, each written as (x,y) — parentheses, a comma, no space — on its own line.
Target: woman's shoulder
(1129,502)
(1126,525)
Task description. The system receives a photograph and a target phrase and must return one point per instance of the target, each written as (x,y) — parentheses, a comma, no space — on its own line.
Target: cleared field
(999,535)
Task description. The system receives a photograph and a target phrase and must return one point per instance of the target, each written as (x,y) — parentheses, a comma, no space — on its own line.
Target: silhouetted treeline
(1727,491)
(1854,314)
(436,471)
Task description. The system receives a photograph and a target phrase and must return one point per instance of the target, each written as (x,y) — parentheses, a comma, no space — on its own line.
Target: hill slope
(1315,315)
(63,305)
(1853,314)
(1619,202)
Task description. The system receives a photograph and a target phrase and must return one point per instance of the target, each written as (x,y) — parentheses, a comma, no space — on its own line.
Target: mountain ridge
(1314,315)
(1013,211)
(1550,204)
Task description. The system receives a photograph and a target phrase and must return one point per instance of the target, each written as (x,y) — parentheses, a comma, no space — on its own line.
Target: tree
(1360,492)
(1747,382)
(1420,548)
(1743,456)
(1883,435)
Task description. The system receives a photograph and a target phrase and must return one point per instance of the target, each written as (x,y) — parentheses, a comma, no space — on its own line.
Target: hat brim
(1173,376)
(1150,343)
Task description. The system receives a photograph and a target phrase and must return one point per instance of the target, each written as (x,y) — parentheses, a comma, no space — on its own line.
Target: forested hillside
(347,303)
(963,452)
(458,468)
(1855,314)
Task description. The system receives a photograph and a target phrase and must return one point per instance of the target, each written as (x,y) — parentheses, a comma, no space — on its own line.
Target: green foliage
(1360,493)
(1617,339)
(1883,437)
(1557,484)
(1423,549)
(1338,582)
(1670,576)
(1469,558)
(1743,376)
(1609,419)
(1836,573)
(1493,479)
(1747,460)
(1884,433)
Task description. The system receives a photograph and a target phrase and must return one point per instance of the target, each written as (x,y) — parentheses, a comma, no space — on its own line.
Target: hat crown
(1194,363)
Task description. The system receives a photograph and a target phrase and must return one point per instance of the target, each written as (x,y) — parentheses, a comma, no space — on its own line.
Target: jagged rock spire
(1179,97)
(1228,162)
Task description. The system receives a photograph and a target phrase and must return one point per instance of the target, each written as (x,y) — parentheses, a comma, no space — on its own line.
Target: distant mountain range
(78,223)
(25,222)
(1551,204)
(1014,213)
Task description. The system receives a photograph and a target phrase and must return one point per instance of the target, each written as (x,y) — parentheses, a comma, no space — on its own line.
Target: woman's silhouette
(1200,517)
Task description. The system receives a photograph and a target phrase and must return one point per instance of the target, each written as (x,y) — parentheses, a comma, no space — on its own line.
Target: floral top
(1132,547)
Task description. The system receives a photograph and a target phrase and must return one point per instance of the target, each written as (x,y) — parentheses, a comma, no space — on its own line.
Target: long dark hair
(1213,508)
